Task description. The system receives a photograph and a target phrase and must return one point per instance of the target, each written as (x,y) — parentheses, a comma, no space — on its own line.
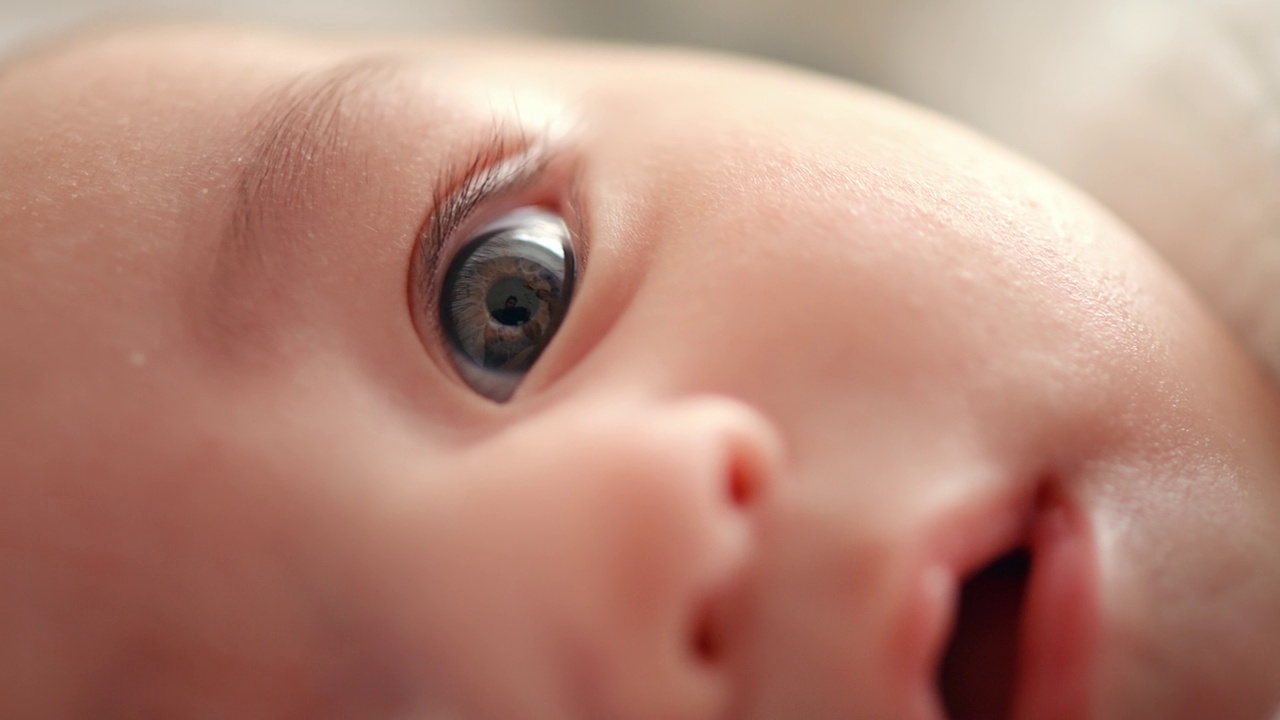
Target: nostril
(753,458)
(743,486)
(745,447)
(707,641)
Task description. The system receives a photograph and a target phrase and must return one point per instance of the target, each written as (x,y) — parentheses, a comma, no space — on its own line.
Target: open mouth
(1023,626)
(977,676)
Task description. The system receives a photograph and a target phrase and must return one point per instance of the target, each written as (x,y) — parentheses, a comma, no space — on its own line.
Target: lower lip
(1060,618)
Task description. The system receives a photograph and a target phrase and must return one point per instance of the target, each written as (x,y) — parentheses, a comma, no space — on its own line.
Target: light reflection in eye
(504,296)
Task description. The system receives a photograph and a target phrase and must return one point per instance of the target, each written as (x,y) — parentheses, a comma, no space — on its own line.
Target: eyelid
(503,173)
(500,166)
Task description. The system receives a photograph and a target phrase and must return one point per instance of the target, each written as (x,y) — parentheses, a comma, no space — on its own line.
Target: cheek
(147,586)
(565,533)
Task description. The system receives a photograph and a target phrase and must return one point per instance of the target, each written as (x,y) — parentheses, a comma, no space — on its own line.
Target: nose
(680,489)
(605,535)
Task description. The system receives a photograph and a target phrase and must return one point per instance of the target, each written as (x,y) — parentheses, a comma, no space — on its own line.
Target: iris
(504,297)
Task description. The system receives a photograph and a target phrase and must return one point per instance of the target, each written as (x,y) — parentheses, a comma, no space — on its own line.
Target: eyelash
(502,166)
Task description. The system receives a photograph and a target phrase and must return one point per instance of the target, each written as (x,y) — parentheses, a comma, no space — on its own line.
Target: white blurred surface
(21,19)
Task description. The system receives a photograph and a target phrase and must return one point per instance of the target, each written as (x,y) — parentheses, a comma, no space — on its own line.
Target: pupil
(511,314)
(511,302)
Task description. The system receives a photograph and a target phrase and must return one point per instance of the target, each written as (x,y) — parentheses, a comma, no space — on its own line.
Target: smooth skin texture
(827,356)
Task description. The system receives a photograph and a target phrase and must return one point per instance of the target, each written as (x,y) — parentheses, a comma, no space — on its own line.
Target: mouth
(1023,624)
(976,678)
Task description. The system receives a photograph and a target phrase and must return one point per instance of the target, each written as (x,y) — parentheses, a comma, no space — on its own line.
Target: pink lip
(1060,618)
(961,543)
(1060,612)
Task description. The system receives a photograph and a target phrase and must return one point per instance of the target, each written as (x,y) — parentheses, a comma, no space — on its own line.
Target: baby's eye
(504,296)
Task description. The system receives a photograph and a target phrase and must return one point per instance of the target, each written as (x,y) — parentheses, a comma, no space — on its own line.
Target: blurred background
(1166,111)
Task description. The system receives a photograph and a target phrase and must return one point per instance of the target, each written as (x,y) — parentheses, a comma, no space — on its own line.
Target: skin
(827,357)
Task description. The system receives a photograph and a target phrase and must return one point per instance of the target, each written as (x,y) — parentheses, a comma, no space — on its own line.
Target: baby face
(808,405)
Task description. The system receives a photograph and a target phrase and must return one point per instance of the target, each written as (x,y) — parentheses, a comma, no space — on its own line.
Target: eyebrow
(302,141)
